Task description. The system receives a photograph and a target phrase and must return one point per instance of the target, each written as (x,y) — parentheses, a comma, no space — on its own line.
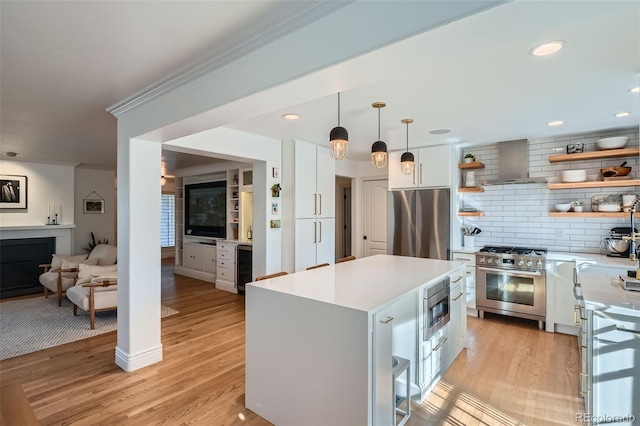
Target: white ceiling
(63,63)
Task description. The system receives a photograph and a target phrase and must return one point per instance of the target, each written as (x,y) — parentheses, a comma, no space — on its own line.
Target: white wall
(46,183)
(102,225)
(519,214)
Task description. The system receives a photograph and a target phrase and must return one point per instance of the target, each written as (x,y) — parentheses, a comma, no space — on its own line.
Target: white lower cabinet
(198,261)
(560,298)
(457,324)
(314,242)
(226,267)
(470,285)
(382,362)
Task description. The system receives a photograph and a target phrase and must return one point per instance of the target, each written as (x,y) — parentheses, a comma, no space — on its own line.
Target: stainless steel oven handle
(440,344)
(457,297)
(537,274)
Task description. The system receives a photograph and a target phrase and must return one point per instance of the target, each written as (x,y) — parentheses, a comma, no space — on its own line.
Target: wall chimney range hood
(513,164)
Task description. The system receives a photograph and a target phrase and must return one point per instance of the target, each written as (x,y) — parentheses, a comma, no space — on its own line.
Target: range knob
(539,264)
(489,260)
(481,259)
(520,262)
(529,263)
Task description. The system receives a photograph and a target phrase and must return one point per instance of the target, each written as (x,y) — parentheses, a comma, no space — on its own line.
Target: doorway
(374,220)
(343,217)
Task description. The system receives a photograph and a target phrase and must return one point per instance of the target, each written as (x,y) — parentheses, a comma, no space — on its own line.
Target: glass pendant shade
(407,163)
(379,154)
(339,143)
(338,139)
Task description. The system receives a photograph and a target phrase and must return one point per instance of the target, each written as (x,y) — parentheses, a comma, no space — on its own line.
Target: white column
(138,253)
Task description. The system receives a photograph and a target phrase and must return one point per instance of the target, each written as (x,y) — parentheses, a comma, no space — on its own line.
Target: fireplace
(19,260)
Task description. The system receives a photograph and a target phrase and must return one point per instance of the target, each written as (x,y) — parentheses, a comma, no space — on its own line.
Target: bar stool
(398,369)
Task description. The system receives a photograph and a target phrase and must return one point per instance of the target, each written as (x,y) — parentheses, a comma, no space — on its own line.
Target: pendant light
(407,161)
(338,139)
(379,148)
(163,180)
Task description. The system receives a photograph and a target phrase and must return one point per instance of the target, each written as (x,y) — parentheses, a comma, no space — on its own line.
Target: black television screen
(206,209)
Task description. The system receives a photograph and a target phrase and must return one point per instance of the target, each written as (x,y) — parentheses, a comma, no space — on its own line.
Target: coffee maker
(615,245)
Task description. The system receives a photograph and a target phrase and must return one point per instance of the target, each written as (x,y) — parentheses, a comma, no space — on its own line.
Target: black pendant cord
(338,109)
(378,123)
(407,136)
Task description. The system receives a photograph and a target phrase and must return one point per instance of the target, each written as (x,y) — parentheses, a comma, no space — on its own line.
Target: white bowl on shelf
(562,207)
(574,176)
(614,142)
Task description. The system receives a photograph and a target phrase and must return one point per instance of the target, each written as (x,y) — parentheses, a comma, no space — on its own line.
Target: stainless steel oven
(436,307)
(512,283)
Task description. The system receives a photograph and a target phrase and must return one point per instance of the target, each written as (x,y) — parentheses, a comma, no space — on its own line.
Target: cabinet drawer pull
(620,328)
(456,280)
(583,393)
(315,204)
(462,258)
(440,344)
(420,173)
(458,297)
(320,196)
(584,374)
(385,321)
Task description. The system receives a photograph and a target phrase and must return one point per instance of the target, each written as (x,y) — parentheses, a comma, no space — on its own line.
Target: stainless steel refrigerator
(418,223)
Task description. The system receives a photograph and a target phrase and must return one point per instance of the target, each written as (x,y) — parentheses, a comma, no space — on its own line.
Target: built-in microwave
(436,307)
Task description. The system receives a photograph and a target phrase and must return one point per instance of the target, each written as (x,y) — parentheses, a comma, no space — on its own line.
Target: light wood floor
(511,374)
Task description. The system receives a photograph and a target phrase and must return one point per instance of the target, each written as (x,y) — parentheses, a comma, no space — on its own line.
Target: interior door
(375,217)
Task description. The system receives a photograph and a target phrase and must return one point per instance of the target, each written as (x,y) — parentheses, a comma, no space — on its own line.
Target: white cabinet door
(384,400)
(564,298)
(458,316)
(434,166)
(193,256)
(325,183)
(306,239)
(210,259)
(397,180)
(326,246)
(470,284)
(306,195)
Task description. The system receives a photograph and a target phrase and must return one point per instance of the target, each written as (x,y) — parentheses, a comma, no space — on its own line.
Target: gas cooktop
(520,251)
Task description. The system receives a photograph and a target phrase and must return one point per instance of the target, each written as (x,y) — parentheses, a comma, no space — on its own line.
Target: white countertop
(604,293)
(364,284)
(592,258)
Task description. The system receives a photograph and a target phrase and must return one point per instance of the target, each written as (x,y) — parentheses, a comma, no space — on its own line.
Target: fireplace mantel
(62,233)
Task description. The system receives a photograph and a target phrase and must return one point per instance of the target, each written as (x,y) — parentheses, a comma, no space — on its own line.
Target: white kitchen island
(319,343)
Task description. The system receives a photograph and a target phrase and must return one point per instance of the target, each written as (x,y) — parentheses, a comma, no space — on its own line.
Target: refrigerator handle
(315,205)
(420,173)
(320,223)
(315,232)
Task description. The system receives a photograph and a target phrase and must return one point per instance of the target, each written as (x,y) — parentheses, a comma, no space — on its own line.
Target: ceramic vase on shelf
(470,179)
(577,209)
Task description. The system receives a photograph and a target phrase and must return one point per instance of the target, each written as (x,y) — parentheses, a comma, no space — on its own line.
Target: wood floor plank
(510,374)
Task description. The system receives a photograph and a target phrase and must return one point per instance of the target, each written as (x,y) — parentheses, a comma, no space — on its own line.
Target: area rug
(30,325)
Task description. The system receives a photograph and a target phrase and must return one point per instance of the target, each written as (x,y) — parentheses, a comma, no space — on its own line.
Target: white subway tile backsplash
(519,214)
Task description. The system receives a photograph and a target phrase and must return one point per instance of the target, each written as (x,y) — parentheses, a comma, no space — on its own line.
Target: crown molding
(289,18)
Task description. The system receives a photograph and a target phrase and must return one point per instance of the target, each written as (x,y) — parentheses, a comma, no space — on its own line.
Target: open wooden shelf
(595,184)
(594,155)
(474,165)
(590,214)
(477,214)
(471,189)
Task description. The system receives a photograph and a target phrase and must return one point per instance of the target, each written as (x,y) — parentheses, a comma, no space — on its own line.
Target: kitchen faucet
(635,236)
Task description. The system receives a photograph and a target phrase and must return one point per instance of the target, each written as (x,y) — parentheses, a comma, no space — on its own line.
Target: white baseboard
(567,329)
(132,362)
(193,273)
(222,285)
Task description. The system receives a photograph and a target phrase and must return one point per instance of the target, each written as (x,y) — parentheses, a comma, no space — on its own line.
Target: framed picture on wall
(13,192)
(93,206)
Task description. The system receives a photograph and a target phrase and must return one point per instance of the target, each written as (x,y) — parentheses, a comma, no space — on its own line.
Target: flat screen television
(206,209)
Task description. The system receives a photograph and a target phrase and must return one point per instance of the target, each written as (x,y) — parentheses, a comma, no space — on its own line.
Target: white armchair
(95,290)
(62,273)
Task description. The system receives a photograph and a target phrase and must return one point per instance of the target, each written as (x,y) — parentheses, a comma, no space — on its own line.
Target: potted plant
(577,206)
(469,158)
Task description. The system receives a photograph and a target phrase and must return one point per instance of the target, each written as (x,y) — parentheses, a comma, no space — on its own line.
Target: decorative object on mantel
(53,213)
(275,190)
(407,161)
(379,148)
(93,205)
(13,192)
(338,139)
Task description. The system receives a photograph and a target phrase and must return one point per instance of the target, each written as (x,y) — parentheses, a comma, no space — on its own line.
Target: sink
(394,361)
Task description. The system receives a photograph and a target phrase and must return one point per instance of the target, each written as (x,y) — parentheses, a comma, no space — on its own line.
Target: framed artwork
(13,192)
(93,205)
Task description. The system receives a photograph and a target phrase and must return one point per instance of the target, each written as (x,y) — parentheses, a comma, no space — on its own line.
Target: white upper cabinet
(432,168)
(315,177)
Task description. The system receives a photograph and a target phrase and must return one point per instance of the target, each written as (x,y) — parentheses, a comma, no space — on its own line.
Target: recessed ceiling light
(547,48)
(635,89)
(555,123)
(622,114)
(11,154)
(440,131)
(290,116)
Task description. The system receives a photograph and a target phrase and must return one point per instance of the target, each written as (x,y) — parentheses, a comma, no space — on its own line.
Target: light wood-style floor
(510,374)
